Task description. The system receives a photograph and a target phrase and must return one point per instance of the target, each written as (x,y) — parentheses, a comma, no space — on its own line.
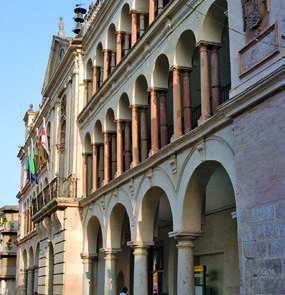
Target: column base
(134,164)
(176,136)
(203,119)
(152,152)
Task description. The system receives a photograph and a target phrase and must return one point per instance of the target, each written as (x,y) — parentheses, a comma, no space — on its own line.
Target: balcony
(8,228)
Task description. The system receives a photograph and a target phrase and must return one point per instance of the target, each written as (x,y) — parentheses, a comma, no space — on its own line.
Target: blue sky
(27,30)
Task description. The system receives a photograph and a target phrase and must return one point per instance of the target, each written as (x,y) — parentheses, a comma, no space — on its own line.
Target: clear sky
(26,30)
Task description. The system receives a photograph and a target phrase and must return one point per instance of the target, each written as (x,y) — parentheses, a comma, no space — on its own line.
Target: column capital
(106,50)
(207,43)
(185,236)
(180,68)
(140,245)
(110,253)
(137,106)
(88,256)
(87,80)
(134,11)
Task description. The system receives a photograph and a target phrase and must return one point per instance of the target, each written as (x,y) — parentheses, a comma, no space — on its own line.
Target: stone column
(135,135)
(95,79)
(140,267)
(127,44)
(106,158)
(119,148)
(113,61)
(95,167)
(205,94)
(154,122)
(163,119)
(84,184)
(177,111)
(30,283)
(151,11)
(119,46)
(185,273)
(85,81)
(87,261)
(101,75)
(142,25)
(216,88)
(128,154)
(110,287)
(134,27)
(106,64)
(160,6)
(36,278)
(143,134)
(101,162)
(25,274)
(187,100)
(114,154)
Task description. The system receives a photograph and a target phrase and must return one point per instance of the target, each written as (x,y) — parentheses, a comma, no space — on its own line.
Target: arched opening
(119,234)
(99,63)
(99,141)
(87,165)
(209,206)
(110,51)
(95,271)
(50,269)
(155,222)
(142,8)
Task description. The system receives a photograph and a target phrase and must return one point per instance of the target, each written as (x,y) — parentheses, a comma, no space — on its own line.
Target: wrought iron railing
(225,93)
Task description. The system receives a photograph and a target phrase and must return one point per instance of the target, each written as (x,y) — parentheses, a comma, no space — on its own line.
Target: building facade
(8,249)
(164,128)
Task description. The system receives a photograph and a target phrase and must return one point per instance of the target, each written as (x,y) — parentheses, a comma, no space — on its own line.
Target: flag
(32,166)
(28,168)
(41,152)
(44,139)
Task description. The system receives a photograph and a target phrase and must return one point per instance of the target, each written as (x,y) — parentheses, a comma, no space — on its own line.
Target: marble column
(128,153)
(84,184)
(163,119)
(113,61)
(177,108)
(101,163)
(110,256)
(87,261)
(216,88)
(106,64)
(119,147)
(94,167)
(143,134)
(140,267)
(142,24)
(154,122)
(95,79)
(135,135)
(30,281)
(119,46)
(114,154)
(106,158)
(185,272)
(151,11)
(127,44)
(187,100)
(134,27)
(205,93)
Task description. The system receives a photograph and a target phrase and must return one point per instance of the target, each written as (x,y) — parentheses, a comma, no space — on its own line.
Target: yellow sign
(199,268)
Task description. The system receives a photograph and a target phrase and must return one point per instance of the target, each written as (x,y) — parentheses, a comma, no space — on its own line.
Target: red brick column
(143,134)
(151,11)
(128,153)
(163,119)
(134,27)
(119,148)
(216,88)
(154,122)
(119,46)
(106,64)
(135,135)
(187,100)
(94,167)
(95,79)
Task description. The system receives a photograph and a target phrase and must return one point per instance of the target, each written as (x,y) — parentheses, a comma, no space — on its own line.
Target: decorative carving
(173,164)
(131,186)
(202,150)
(103,202)
(149,175)
(253,13)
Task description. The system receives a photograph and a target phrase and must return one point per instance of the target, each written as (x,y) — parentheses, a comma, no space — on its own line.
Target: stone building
(164,127)
(8,249)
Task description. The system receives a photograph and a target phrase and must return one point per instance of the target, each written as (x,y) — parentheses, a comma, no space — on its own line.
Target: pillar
(143,134)
(160,6)
(187,101)
(119,148)
(140,267)
(85,81)
(30,281)
(142,25)
(154,122)
(119,46)
(216,88)
(110,287)
(94,168)
(84,184)
(25,274)
(177,111)
(95,79)
(36,278)
(114,155)
(87,261)
(127,44)
(205,94)
(101,163)
(128,154)
(163,119)
(106,64)
(134,27)
(151,11)
(101,75)
(113,61)
(135,135)
(106,158)
(185,272)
